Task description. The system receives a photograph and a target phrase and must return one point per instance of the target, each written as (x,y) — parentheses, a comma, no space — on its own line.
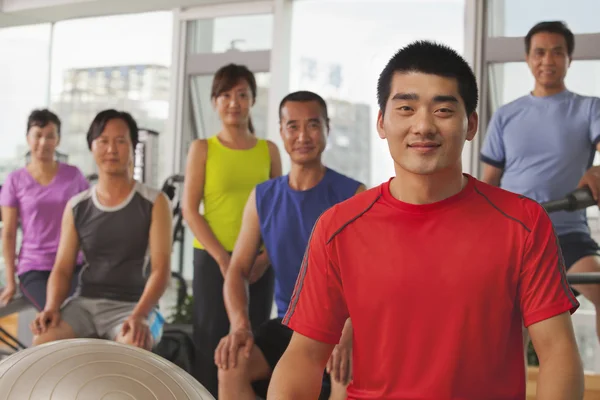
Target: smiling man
(542,145)
(281,213)
(436,270)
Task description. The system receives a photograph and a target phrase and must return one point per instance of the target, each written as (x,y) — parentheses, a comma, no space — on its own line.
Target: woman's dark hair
(41,118)
(100,121)
(229,76)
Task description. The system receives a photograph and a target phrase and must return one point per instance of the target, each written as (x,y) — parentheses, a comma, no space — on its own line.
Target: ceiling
(23,12)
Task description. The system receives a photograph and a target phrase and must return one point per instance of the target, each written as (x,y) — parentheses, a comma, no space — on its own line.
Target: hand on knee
(235,373)
(135,332)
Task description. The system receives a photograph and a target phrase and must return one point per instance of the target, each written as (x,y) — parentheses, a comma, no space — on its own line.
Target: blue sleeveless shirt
(287,218)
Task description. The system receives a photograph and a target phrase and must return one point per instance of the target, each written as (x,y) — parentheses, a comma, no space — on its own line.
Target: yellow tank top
(229,178)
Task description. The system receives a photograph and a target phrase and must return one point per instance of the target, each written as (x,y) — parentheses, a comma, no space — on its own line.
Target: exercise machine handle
(576,200)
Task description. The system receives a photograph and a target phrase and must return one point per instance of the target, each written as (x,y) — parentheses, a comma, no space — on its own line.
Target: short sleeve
(595,122)
(8,193)
(318,309)
(543,290)
(492,151)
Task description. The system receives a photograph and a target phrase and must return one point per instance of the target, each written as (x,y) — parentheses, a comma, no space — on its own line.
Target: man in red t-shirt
(437,271)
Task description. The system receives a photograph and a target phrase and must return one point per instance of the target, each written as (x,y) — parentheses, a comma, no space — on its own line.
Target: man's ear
(380,129)
(472,125)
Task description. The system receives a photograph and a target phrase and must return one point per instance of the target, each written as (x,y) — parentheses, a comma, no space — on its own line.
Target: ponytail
(250,125)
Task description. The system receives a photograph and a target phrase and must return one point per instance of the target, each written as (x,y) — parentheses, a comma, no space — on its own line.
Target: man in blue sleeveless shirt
(123,228)
(542,145)
(281,214)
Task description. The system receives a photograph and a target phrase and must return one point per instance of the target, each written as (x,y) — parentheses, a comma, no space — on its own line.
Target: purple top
(40,213)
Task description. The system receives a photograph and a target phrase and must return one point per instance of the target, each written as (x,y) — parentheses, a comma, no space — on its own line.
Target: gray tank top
(114,241)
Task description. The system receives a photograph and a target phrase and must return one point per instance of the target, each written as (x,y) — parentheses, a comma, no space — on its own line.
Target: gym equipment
(146,157)
(18,304)
(178,231)
(94,369)
(576,200)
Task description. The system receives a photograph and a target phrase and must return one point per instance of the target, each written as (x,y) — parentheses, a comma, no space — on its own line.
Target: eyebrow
(436,99)
(294,121)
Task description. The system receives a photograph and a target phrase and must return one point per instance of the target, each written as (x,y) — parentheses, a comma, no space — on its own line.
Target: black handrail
(578,199)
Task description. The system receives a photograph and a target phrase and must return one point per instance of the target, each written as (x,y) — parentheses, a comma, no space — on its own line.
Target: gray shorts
(102,318)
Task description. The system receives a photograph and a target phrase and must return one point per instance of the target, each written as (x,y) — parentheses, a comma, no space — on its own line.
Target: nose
(548,58)
(233,101)
(303,135)
(423,123)
(112,146)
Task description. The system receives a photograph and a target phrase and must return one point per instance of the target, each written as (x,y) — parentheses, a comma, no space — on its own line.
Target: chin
(305,160)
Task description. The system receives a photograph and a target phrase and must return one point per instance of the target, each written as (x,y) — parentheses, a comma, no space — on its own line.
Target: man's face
(303,130)
(425,123)
(548,59)
(113,150)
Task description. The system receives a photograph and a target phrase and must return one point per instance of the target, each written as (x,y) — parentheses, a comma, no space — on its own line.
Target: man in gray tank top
(123,228)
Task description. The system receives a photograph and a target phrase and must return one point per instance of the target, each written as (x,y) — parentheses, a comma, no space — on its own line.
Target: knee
(40,339)
(50,336)
(128,340)
(236,375)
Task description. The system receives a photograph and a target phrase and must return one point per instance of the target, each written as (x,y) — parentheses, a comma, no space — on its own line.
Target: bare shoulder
(273,148)
(198,149)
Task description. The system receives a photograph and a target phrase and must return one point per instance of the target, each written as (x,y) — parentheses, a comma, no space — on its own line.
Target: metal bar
(209,63)
(227,10)
(584,278)
(11,337)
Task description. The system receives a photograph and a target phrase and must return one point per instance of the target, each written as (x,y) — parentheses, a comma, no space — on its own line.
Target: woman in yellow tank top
(221,172)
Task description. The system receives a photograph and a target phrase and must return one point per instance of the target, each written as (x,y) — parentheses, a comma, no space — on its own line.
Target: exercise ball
(94,369)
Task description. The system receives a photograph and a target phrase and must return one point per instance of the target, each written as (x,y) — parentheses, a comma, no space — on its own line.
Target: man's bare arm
(235,289)
(492,175)
(561,371)
(160,257)
(59,282)
(299,373)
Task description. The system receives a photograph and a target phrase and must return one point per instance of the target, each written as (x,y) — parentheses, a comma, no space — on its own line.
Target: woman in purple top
(35,197)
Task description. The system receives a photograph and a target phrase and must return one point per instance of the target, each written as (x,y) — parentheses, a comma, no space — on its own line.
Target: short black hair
(305,96)
(103,117)
(42,118)
(552,27)
(430,58)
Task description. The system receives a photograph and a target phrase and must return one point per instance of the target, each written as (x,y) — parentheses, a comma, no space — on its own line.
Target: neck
(42,165)
(114,185)
(305,176)
(544,91)
(233,133)
(426,189)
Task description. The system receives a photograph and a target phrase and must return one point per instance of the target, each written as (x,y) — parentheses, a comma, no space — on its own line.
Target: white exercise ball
(94,369)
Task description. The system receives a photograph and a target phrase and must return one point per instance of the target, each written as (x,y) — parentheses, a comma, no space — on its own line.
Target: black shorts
(273,338)
(575,246)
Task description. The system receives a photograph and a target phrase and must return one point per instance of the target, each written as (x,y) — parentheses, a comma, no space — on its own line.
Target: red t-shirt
(438,293)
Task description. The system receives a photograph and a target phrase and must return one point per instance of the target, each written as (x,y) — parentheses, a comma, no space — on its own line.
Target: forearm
(9,243)
(235,293)
(561,377)
(156,285)
(202,232)
(261,264)
(347,332)
(59,284)
(296,377)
